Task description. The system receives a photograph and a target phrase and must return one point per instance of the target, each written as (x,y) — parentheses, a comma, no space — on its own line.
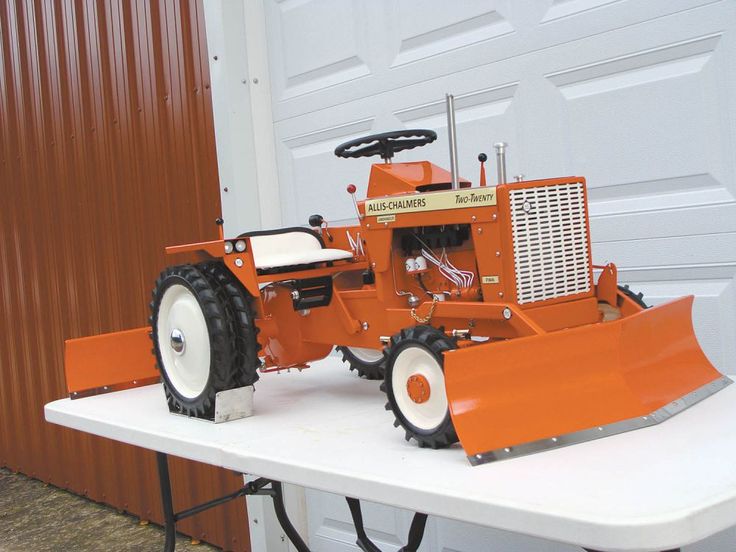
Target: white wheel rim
(415,360)
(367,356)
(181,322)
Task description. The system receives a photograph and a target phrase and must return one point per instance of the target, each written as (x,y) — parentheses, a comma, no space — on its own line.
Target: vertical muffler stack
(452,138)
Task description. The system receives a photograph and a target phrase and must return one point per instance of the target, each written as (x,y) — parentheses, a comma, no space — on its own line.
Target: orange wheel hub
(418,388)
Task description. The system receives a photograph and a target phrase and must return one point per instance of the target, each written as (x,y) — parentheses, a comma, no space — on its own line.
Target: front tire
(415,385)
(193,341)
(637,298)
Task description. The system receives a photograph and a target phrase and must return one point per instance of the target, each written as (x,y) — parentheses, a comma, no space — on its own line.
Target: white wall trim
(241,105)
(262,113)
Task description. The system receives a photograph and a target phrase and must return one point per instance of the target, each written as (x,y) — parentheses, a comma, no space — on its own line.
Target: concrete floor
(35,517)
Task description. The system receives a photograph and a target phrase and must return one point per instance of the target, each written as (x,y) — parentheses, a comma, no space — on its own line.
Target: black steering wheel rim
(386,144)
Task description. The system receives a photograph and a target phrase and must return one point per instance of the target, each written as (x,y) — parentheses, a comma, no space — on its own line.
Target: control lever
(482,157)
(351,190)
(318,221)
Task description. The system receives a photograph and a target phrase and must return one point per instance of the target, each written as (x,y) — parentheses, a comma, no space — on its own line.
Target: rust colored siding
(106,156)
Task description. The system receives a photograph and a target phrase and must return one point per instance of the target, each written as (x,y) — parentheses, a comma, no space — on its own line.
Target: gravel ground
(35,517)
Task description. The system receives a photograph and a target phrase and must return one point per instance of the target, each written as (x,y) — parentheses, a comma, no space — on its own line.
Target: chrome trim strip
(656,417)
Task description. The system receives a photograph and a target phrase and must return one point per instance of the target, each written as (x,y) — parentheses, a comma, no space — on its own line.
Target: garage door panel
(648,223)
(444,26)
(641,119)
(574,10)
(419,41)
(691,191)
(699,250)
(317,55)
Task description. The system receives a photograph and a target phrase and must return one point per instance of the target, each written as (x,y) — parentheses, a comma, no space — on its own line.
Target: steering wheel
(386,143)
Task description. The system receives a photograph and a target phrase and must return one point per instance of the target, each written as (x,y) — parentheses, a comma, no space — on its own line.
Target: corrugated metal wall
(106,155)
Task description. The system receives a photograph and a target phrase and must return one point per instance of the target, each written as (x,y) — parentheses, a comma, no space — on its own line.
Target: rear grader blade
(529,394)
(109,362)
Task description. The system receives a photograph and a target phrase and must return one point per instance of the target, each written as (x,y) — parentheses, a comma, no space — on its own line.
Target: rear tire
(193,341)
(369,363)
(415,385)
(239,306)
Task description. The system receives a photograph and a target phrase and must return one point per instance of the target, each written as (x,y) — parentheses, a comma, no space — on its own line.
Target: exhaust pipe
(501,161)
(450,104)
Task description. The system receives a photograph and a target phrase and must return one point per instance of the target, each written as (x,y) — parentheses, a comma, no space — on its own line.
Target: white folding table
(654,489)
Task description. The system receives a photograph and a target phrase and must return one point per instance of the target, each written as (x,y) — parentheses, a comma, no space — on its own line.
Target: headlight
(228,247)
(240,245)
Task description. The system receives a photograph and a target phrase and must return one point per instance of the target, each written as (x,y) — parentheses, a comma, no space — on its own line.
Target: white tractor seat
(291,247)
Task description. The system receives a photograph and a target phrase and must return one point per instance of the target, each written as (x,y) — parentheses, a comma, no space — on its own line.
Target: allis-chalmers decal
(437,201)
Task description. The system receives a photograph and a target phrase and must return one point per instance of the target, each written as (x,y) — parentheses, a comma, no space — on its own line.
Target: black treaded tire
(637,298)
(238,304)
(222,350)
(367,370)
(436,343)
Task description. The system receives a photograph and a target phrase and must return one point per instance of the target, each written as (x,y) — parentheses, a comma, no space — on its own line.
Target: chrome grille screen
(550,242)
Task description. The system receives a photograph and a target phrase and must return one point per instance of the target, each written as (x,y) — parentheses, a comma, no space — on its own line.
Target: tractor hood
(421,176)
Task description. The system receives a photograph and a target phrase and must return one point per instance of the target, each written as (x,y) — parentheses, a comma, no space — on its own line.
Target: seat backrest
(282,241)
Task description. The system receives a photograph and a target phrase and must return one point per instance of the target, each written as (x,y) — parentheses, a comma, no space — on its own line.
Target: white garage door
(638,96)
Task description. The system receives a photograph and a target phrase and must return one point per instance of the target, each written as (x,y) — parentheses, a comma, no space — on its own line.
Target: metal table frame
(268,487)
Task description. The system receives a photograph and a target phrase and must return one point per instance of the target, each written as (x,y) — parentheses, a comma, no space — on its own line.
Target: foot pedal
(312,292)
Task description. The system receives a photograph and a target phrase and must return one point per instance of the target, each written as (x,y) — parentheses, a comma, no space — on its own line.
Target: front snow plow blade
(530,394)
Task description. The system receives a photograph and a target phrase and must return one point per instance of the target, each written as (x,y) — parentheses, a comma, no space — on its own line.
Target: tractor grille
(550,234)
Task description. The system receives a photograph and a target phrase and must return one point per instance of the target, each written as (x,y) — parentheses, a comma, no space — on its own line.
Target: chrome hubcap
(177,341)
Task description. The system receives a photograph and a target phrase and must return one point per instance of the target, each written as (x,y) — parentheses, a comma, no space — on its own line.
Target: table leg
(168,506)
(363,542)
(277,495)
(416,531)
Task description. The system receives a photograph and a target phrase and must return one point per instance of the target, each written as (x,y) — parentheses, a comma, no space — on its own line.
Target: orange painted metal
(523,390)
(214,248)
(418,388)
(107,155)
(109,362)
(606,287)
(286,346)
(421,176)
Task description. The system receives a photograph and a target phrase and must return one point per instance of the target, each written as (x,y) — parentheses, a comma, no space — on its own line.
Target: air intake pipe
(501,161)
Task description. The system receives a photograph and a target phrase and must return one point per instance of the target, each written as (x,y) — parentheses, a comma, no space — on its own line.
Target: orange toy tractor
(478,307)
